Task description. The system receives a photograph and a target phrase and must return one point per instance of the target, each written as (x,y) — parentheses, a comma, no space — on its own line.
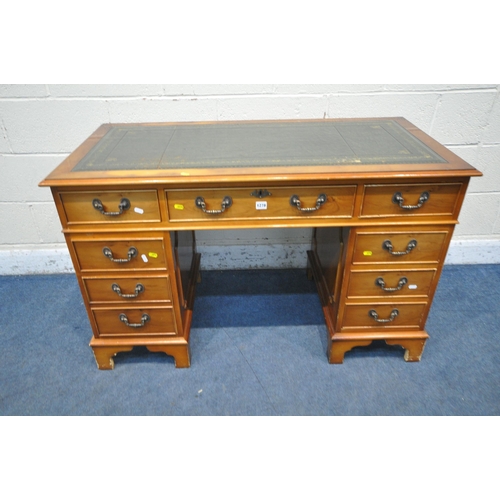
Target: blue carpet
(258,344)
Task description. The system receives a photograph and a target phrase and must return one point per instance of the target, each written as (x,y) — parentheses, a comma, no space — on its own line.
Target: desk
(382,196)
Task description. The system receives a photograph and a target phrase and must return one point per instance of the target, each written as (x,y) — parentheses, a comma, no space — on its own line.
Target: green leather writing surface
(259,144)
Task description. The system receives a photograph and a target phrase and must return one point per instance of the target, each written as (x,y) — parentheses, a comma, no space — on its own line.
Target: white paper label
(261,205)
(144,258)
(138,210)
(412,287)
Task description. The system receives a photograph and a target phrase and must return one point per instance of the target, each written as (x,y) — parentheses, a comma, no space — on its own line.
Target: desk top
(222,151)
(236,145)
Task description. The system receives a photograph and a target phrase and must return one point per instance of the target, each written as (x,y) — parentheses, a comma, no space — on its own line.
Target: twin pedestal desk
(382,196)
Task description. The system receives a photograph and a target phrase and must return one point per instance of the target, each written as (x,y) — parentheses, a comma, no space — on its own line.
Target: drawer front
(394,315)
(396,200)
(141,321)
(128,290)
(398,247)
(333,202)
(111,206)
(121,255)
(388,284)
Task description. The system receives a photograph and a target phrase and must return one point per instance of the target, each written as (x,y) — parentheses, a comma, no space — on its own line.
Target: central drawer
(260,203)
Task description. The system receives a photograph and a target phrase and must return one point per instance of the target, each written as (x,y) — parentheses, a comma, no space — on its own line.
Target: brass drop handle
(295,202)
(381,283)
(399,200)
(226,203)
(132,252)
(373,314)
(122,206)
(387,245)
(144,319)
(139,288)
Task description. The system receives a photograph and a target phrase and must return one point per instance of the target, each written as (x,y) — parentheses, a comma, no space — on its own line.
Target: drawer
(101,207)
(120,255)
(135,321)
(397,247)
(394,315)
(388,284)
(128,290)
(396,200)
(333,202)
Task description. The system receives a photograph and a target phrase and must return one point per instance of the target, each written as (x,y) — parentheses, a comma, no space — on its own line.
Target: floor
(258,344)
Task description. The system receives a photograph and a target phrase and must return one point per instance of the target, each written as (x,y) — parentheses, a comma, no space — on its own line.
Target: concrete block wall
(41,124)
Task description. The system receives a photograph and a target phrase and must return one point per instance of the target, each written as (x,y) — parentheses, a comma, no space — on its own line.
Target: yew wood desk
(382,196)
